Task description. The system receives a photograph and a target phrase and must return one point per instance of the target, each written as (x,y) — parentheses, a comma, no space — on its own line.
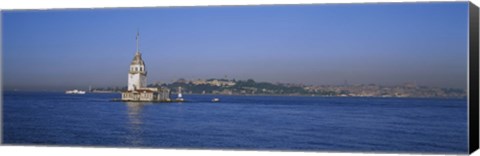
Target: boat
(75,91)
(179,96)
(215,100)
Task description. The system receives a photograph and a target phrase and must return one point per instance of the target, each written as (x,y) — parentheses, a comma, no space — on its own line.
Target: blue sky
(390,43)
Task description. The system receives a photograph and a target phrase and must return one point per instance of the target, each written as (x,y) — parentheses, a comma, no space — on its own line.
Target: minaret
(137,76)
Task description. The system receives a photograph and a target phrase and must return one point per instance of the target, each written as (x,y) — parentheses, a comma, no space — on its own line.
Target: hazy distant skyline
(386,44)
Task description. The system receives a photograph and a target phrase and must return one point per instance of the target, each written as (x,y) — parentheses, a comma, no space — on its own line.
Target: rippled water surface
(238,122)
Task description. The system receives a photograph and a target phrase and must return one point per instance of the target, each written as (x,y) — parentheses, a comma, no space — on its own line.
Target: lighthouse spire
(138,37)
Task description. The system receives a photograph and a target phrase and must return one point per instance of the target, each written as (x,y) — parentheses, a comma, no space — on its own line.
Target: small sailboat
(179,96)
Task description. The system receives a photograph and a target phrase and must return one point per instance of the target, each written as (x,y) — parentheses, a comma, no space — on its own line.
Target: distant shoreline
(329,96)
(272,95)
(286,95)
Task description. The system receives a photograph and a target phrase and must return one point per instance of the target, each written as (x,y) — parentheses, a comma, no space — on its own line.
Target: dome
(137,60)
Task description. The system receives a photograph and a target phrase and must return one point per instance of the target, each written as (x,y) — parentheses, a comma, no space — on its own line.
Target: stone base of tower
(147,95)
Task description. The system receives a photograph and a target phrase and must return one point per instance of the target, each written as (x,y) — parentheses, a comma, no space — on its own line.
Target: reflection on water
(239,122)
(134,111)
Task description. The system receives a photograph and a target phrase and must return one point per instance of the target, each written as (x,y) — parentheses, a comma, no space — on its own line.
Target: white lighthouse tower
(137,76)
(137,83)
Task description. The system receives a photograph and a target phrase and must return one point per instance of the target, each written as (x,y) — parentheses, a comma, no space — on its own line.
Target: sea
(272,123)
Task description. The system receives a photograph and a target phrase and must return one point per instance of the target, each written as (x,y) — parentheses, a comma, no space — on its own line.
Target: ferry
(75,91)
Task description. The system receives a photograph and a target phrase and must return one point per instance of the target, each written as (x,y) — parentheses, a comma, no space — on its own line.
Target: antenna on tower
(138,36)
